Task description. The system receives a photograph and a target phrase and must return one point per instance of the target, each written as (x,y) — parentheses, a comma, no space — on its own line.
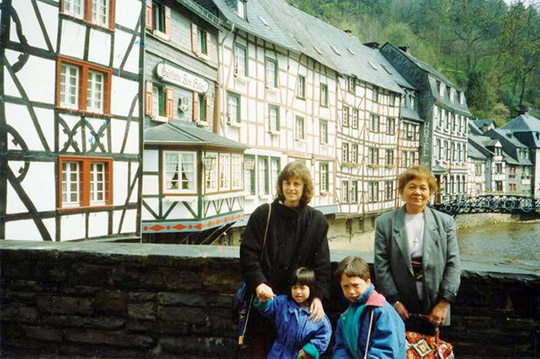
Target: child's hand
(264,292)
(316,310)
(303,355)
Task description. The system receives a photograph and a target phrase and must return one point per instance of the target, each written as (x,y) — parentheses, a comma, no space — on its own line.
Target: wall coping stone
(472,266)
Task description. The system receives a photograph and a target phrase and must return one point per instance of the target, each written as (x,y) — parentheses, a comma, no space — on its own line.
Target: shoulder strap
(267,225)
(369,334)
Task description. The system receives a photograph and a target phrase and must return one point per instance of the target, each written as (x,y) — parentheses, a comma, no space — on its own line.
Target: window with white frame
(412,101)
(373,156)
(454,152)
(74,8)
(241,8)
(275,168)
(271,73)
(180,175)
(389,157)
(224,171)
(71,189)
(345,190)
(202,39)
(345,116)
(391,126)
(355,115)
(448,151)
(301,86)
(412,158)
(345,157)
(273,118)
(438,149)
(250,178)
(211,172)
(299,133)
(100,12)
(351,84)
(373,191)
(324,95)
(324,132)
(404,159)
(441,88)
(94,93)
(236,171)
(263,176)
(373,123)
(85,181)
(69,86)
(354,153)
(240,60)
(388,190)
(159,100)
(354,191)
(324,181)
(233,108)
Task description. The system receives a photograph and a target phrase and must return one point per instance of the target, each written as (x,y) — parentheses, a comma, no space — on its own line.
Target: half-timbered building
(193,178)
(70,119)
(443,107)
(494,167)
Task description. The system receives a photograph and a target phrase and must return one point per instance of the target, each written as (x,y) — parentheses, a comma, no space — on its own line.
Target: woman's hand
(438,313)
(264,292)
(401,310)
(316,310)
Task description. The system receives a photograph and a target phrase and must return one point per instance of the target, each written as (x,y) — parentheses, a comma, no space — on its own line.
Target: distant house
(193,178)
(495,165)
(526,129)
(443,107)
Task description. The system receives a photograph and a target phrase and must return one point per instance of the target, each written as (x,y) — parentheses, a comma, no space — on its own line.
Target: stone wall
(148,300)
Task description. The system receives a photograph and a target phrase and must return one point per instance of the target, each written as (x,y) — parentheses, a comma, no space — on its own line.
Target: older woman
(296,238)
(417,263)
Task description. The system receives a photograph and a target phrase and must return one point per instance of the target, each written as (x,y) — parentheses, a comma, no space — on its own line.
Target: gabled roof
(410,114)
(474,129)
(473,152)
(333,47)
(202,13)
(258,23)
(483,122)
(184,134)
(510,145)
(480,143)
(523,123)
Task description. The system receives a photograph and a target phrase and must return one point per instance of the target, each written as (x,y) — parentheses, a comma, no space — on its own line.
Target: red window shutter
(169,95)
(148,100)
(195,114)
(167,20)
(194,39)
(208,114)
(149,18)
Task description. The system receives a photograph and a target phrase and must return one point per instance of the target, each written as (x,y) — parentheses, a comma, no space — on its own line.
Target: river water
(509,240)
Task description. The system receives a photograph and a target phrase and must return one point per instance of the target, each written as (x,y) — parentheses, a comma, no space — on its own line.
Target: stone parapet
(144,300)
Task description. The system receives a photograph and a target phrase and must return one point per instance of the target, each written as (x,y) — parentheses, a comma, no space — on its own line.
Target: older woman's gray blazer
(393,268)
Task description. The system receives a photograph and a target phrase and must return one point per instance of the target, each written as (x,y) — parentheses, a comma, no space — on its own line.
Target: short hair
(304,276)
(353,267)
(299,169)
(416,173)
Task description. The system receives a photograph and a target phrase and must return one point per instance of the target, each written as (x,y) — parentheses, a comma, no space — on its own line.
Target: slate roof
(410,114)
(474,129)
(526,128)
(483,122)
(333,47)
(510,145)
(179,133)
(202,12)
(481,143)
(435,75)
(476,154)
(255,23)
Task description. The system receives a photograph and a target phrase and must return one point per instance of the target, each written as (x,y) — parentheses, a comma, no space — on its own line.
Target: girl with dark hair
(296,335)
(296,238)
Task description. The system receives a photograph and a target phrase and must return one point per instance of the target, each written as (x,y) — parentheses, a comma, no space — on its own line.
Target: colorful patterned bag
(420,346)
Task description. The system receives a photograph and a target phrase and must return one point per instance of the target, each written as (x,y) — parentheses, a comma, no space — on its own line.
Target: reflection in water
(510,240)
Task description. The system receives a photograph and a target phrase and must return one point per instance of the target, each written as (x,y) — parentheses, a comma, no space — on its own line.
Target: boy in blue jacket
(297,336)
(370,327)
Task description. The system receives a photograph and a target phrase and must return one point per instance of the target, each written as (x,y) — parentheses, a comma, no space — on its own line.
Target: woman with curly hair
(296,238)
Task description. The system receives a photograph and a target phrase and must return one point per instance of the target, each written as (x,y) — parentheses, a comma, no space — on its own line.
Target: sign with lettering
(181,78)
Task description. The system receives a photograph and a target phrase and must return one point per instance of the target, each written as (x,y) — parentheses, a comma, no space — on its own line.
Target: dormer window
(452,92)
(441,88)
(411,101)
(461,98)
(241,8)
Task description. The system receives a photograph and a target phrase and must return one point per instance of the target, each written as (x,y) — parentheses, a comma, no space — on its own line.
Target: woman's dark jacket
(296,238)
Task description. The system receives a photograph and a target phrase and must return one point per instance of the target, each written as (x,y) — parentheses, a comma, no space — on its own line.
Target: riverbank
(363,241)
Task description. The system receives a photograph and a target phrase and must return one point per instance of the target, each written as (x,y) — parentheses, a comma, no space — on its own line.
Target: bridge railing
(489,203)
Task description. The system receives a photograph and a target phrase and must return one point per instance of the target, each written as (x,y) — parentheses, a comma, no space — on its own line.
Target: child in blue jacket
(297,336)
(370,327)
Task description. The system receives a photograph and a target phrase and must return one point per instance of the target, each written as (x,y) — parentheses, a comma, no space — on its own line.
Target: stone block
(117,338)
(157,328)
(135,278)
(182,315)
(141,297)
(110,302)
(74,321)
(94,275)
(146,311)
(64,305)
(195,300)
(182,280)
(44,333)
(206,347)
(18,313)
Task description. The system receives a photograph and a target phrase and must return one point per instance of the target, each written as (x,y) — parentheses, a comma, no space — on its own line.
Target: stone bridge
(103,299)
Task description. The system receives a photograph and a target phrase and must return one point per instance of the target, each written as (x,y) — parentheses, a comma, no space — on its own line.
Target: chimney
(404,48)
(373,45)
